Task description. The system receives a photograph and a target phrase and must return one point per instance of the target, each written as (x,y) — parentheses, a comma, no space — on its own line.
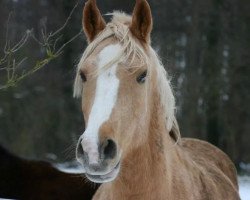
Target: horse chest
(105,192)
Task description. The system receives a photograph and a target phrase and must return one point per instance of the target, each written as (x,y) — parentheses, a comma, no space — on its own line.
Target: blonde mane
(131,48)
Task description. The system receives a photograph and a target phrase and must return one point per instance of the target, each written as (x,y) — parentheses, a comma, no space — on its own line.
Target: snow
(244,182)
(70,167)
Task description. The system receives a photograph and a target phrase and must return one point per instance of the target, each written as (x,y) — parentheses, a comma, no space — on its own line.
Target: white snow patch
(73,168)
(244,183)
(7,199)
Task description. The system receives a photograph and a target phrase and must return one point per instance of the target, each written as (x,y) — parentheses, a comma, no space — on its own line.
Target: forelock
(119,29)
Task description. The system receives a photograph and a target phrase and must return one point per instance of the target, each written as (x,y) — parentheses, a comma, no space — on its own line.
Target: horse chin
(104,178)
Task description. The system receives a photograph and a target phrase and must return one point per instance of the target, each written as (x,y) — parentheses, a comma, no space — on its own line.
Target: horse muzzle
(101,162)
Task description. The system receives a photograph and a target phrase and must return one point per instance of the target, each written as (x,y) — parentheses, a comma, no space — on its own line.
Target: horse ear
(93,22)
(142,23)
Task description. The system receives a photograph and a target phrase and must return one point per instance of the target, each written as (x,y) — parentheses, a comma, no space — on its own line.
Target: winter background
(205,46)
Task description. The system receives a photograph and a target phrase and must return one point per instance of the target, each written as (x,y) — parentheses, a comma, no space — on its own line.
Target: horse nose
(87,151)
(93,154)
(79,150)
(108,149)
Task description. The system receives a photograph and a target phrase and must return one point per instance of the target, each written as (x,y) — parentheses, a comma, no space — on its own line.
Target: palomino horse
(132,143)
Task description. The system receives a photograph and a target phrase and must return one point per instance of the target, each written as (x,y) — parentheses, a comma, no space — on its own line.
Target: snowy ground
(244,182)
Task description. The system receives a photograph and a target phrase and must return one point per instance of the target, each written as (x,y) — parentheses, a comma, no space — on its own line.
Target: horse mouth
(104,178)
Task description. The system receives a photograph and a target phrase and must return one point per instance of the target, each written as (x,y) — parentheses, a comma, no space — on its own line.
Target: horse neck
(147,168)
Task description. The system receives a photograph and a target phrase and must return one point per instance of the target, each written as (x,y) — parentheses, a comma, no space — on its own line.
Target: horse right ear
(141,26)
(93,22)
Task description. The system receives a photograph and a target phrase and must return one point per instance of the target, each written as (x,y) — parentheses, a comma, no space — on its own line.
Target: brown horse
(132,142)
(39,180)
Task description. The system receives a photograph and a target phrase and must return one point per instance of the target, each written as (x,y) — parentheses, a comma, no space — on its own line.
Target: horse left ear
(142,24)
(93,22)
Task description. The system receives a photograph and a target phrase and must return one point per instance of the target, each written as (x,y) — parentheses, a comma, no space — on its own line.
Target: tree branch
(49,43)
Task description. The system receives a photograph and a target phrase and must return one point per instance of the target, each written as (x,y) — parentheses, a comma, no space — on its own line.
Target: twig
(66,22)
(69,41)
(49,43)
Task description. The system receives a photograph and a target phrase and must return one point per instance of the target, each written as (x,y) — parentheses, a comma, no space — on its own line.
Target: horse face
(115,105)
(116,101)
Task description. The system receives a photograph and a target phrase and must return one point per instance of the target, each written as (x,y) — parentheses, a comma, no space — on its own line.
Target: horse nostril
(79,150)
(109,149)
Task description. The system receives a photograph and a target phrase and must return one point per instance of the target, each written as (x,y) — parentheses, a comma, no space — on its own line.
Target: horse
(29,179)
(132,143)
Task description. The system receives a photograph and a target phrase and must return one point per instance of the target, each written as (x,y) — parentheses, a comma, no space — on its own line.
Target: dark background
(205,46)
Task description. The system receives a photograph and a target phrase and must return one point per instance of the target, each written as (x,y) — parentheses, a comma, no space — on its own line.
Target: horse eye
(142,77)
(83,77)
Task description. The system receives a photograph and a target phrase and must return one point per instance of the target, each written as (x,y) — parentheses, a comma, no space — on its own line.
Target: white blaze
(105,98)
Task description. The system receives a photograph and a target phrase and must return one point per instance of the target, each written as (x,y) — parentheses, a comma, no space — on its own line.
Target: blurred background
(204,45)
